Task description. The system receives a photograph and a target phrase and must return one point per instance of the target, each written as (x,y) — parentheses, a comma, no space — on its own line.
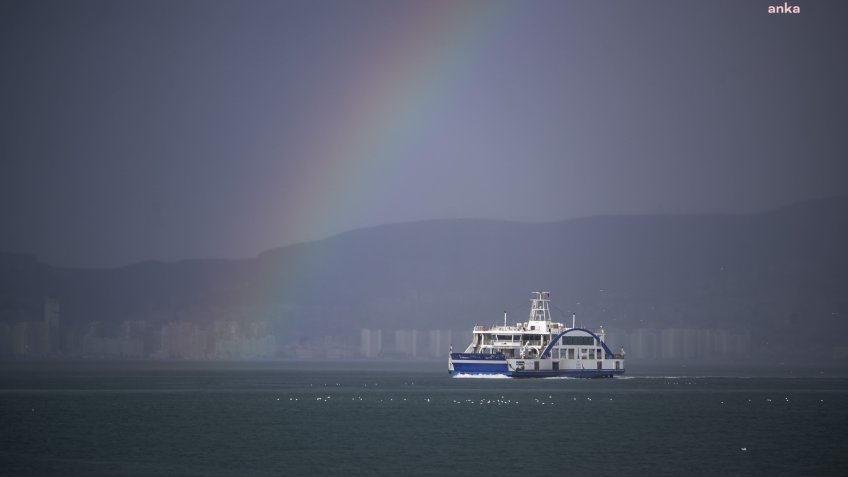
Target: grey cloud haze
(167,130)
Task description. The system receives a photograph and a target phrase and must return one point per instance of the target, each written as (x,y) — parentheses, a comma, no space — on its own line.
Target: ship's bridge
(540,312)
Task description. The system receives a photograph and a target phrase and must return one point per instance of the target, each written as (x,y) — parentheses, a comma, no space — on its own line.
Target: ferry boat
(538,347)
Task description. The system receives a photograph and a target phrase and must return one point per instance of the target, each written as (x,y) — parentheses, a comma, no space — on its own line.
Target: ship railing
(496,328)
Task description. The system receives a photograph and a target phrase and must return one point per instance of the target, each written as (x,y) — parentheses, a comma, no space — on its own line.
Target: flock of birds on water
(502,400)
(496,401)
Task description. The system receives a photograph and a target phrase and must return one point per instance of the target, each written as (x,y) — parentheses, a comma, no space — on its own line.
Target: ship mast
(540,309)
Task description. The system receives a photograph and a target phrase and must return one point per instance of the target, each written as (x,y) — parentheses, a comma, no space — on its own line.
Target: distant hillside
(783,275)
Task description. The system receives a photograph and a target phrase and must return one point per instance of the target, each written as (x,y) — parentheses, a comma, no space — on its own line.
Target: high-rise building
(371,342)
(52,324)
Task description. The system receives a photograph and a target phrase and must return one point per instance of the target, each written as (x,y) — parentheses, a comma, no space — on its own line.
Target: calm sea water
(272,420)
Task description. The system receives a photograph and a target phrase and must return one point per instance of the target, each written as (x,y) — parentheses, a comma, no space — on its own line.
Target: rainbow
(399,91)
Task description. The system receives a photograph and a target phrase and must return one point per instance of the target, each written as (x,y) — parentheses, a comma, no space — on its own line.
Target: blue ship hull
(477,364)
(495,367)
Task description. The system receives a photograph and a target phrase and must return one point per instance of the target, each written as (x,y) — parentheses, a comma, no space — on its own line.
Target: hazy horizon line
(418,221)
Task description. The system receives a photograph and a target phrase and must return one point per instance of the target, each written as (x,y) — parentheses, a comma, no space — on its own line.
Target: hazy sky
(138,130)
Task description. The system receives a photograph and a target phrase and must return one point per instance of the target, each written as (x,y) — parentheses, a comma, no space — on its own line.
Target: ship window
(534,339)
(571,353)
(591,354)
(578,340)
(599,353)
(618,365)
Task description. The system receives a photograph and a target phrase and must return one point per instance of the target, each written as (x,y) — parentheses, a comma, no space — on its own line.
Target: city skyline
(232,339)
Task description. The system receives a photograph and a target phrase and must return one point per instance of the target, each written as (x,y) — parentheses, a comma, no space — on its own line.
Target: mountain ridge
(763,272)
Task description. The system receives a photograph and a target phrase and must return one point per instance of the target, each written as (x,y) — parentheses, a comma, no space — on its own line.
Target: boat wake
(481,376)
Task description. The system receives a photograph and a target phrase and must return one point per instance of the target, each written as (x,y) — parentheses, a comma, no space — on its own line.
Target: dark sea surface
(142,419)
